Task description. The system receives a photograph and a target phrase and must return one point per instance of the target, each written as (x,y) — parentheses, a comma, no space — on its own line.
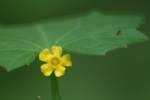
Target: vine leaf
(91,33)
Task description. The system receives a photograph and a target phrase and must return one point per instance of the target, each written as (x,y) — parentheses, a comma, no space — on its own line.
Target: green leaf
(92,33)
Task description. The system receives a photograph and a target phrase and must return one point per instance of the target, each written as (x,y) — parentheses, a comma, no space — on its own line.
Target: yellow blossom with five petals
(55,61)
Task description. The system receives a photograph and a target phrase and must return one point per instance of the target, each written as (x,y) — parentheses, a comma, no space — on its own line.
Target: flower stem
(55,88)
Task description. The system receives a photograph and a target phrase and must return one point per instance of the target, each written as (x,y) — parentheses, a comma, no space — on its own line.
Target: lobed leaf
(92,33)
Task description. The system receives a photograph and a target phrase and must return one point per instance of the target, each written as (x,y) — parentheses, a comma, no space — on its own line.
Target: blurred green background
(122,74)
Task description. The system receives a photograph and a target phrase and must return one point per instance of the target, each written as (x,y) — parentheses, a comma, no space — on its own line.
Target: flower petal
(57,50)
(66,60)
(60,71)
(45,55)
(47,69)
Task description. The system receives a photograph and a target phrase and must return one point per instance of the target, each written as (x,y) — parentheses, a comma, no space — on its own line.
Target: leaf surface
(92,33)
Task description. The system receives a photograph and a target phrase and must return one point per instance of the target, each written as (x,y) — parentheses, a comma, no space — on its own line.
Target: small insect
(118,33)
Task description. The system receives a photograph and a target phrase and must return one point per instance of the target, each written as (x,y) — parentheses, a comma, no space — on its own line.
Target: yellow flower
(54,61)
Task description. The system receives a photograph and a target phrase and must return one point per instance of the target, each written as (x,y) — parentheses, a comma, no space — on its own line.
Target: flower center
(55,61)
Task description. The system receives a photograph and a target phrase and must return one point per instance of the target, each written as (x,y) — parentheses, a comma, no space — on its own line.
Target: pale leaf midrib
(43,34)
